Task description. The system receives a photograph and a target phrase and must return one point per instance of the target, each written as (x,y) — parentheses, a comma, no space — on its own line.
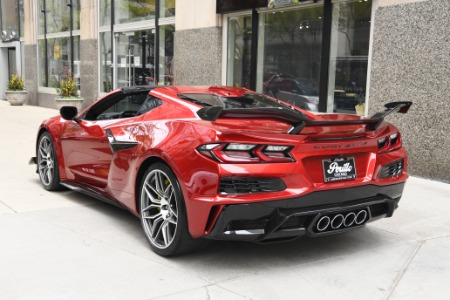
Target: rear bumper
(292,218)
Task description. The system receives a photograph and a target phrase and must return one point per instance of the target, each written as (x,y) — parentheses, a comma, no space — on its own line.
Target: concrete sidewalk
(66,245)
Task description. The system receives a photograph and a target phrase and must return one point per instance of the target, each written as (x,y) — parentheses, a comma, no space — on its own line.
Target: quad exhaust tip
(361,217)
(337,221)
(323,223)
(341,221)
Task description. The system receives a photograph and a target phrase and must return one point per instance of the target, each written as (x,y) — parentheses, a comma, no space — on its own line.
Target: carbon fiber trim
(116,145)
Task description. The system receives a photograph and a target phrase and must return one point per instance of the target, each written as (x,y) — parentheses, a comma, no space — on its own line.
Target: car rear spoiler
(297,119)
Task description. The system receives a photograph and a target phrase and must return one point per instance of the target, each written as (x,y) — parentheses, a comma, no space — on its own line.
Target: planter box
(16,98)
(360,109)
(77,102)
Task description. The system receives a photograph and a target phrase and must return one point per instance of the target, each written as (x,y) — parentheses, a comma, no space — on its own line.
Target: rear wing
(297,119)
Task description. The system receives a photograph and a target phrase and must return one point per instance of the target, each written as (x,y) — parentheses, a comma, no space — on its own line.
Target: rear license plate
(336,169)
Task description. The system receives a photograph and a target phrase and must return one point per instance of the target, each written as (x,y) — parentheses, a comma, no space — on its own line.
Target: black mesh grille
(249,185)
(378,209)
(394,169)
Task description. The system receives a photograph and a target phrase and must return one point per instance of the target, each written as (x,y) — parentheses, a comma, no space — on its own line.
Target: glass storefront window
(290,56)
(41,16)
(55,60)
(105,62)
(58,16)
(166,55)
(239,51)
(127,11)
(9,21)
(58,56)
(350,35)
(105,12)
(167,8)
(12,68)
(290,64)
(135,57)
(21,18)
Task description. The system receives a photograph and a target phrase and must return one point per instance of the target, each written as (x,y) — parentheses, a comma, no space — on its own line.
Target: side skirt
(90,192)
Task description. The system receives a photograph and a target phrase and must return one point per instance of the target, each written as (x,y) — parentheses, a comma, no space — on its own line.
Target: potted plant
(68,94)
(16,93)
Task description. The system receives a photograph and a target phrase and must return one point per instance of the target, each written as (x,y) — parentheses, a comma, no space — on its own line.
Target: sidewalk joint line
(405,268)
(15,211)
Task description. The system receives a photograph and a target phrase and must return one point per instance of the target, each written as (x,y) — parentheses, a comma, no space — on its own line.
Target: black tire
(47,163)
(163,213)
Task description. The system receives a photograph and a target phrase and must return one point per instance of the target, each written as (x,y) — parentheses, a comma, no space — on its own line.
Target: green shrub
(16,83)
(68,88)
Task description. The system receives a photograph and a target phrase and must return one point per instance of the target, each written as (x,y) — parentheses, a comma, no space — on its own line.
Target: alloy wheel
(159,210)
(46,161)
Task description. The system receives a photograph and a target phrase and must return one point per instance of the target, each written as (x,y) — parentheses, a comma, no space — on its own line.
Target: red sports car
(198,163)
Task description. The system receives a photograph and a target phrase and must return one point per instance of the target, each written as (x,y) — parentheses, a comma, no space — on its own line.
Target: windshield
(246,101)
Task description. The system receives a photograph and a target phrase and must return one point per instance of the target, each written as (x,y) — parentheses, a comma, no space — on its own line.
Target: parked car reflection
(304,94)
(299,92)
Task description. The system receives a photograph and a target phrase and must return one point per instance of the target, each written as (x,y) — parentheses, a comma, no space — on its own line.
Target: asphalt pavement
(64,245)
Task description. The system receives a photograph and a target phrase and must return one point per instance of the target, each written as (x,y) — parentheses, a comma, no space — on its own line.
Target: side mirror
(68,112)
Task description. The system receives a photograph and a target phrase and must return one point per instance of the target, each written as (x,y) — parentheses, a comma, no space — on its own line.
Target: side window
(125,108)
(121,105)
(149,104)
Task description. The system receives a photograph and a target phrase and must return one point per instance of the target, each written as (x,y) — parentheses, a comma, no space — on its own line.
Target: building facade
(347,56)
(11,41)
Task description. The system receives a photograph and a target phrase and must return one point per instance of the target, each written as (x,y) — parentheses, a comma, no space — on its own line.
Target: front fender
(55,127)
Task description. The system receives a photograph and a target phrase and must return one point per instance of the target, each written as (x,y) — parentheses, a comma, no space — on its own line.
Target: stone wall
(47,99)
(198,56)
(89,71)
(411,62)
(30,68)
(32,81)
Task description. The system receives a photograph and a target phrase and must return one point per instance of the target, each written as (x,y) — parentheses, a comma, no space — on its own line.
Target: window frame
(45,37)
(325,49)
(112,28)
(109,101)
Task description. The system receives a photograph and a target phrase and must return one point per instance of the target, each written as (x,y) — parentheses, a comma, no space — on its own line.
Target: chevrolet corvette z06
(198,163)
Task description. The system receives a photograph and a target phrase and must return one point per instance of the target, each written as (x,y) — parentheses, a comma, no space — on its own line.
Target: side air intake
(393,169)
(250,185)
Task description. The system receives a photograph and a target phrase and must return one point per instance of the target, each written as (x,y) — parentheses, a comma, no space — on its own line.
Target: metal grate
(250,185)
(393,169)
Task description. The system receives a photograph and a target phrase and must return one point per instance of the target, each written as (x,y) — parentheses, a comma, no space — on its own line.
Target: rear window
(246,101)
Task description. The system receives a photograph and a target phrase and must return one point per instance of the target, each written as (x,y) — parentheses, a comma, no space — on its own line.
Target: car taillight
(390,142)
(246,153)
(236,153)
(274,153)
